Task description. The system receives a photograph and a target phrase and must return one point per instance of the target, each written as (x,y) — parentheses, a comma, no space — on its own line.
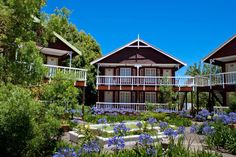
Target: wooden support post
(224,98)
(178,102)
(197,101)
(83,102)
(186,101)
(191,101)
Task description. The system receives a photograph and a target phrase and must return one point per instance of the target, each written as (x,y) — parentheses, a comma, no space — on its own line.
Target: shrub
(26,129)
(222,137)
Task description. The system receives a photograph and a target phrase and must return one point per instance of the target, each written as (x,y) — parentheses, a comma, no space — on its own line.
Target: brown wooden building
(219,85)
(131,76)
(56,57)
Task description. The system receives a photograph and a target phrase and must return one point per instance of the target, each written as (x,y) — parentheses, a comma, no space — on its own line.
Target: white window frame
(150,72)
(150,97)
(125,97)
(125,72)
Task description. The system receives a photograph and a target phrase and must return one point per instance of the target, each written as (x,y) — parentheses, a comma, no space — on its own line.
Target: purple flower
(145,139)
(139,125)
(170,132)
(151,121)
(163,125)
(207,130)
(65,152)
(121,129)
(181,130)
(151,151)
(193,129)
(117,141)
(102,121)
(91,147)
(202,115)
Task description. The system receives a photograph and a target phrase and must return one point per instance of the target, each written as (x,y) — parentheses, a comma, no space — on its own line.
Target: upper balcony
(145,81)
(76,74)
(219,79)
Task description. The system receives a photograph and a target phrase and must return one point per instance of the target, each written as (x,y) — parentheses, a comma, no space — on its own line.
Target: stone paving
(193,141)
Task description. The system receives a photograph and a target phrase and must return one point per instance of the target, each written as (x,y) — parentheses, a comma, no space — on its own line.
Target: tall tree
(84,42)
(19,55)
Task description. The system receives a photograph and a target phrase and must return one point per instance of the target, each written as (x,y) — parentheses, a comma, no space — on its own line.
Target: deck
(77,74)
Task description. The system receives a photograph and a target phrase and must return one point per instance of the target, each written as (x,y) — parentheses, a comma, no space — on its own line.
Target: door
(108,96)
(150,97)
(125,97)
(166,80)
(109,72)
(150,73)
(126,72)
(231,76)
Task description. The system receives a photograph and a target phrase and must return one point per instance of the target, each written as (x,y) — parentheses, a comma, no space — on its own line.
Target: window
(150,72)
(125,97)
(125,71)
(150,97)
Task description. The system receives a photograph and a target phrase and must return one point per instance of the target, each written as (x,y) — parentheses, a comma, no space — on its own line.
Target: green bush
(178,121)
(223,137)
(27,128)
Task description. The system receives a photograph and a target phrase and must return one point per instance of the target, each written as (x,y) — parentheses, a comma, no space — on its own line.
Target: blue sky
(186,29)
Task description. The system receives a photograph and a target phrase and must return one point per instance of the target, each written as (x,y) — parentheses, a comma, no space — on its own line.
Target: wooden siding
(228,50)
(130,55)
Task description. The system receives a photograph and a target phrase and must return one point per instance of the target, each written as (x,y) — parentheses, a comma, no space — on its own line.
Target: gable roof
(143,44)
(219,48)
(67,43)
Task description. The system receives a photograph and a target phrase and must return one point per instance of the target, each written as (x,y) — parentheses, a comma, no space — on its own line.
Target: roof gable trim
(130,45)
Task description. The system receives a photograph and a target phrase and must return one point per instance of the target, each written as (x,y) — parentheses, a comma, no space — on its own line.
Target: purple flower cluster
(65,152)
(151,151)
(193,128)
(151,121)
(113,111)
(163,125)
(202,115)
(121,129)
(102,121)
(226,119)
(91,147)
(170,132)
(145,139)
(117,141)
(181,130)
(185,114)
(139,125)
(207,130)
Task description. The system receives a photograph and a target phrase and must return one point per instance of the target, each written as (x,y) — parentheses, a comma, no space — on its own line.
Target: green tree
(84,42)
(198,70)
(17,41)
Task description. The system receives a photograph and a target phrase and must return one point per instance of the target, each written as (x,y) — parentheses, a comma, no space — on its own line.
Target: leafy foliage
(84,42)
(27,129)
(22,63)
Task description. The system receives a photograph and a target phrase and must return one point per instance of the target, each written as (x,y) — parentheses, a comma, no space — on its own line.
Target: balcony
(145,81)
(222,79)
(76,74)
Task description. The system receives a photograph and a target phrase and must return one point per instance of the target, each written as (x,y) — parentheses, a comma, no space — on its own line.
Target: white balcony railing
(145,80)
(132,106)
(227,78)
(74,73)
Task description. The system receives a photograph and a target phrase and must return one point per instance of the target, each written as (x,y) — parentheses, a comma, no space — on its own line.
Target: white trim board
(220,47)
